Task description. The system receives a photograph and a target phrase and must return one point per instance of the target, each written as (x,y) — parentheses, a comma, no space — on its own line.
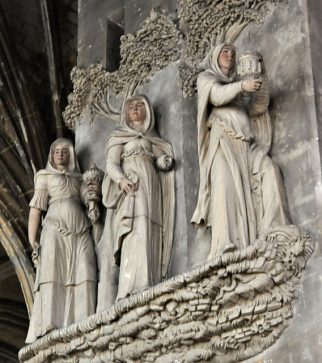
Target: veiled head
(138,114)
(221,60)
(62,155)
(226,59)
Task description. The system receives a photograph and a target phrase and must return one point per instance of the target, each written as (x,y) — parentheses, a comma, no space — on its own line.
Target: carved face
(61,156)
(137,111)
(227,59)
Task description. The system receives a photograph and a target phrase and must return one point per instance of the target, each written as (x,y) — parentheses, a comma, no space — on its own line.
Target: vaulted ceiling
(38,48)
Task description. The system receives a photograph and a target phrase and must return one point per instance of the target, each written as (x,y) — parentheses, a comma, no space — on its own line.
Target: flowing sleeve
(221,94)
(41,196)
(113,163)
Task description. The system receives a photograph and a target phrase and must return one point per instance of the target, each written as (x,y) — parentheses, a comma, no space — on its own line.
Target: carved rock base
(227,310)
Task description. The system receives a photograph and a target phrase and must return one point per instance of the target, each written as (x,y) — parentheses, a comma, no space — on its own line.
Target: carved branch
(103,107)
(153,47)
(159,42)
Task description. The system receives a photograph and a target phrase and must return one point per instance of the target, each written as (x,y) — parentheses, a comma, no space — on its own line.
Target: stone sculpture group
(240,199)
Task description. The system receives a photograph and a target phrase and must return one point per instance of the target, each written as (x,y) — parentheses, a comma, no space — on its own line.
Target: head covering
(125,133)
(205,81)
(211,63)
(73,167)
(149,119)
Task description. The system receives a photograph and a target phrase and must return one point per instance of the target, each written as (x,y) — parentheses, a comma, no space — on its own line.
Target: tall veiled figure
(240,193)
(138,192)
(65,287)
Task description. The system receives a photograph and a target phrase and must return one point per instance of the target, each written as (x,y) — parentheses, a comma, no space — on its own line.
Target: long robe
(228,203)
(65,287)
(138,230)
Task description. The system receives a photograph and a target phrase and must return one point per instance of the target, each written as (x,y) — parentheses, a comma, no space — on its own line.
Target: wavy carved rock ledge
(227,310)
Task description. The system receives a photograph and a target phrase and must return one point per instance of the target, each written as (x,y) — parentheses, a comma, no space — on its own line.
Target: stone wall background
(291,45)
(291,48)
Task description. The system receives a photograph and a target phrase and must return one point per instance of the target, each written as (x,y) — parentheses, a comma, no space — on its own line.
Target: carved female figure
(138,192)
(65,287)
(230,182)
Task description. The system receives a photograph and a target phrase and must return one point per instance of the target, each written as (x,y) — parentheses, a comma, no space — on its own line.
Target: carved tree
(160,41)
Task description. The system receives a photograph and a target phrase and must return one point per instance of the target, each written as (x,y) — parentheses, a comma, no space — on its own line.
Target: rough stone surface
(223,311)
(158,42)
(151,48)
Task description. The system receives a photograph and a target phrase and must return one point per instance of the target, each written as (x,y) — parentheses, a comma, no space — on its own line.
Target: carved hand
(35,254)
(251,85)
(126,186)
(33,226)
(93,212)
(94,186)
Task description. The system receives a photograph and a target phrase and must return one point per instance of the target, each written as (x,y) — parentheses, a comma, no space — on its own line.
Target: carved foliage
(87,83)
(153,47)
(225,311)
(159,42)
(203,22)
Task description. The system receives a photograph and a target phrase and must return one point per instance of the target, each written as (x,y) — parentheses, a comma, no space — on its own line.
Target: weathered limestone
(261,278)
(224,311)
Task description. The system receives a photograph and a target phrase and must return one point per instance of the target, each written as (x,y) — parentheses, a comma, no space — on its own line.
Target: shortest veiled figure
(65,287)
(138,192)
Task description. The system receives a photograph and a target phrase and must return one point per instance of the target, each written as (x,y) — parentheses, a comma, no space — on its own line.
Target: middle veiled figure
(138,192)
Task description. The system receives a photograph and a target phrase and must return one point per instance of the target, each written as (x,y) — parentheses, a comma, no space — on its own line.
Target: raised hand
(251,85)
